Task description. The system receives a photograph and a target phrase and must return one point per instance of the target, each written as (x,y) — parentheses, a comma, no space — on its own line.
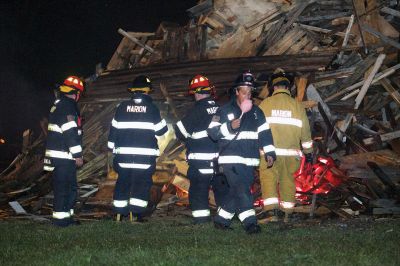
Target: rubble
(344,54)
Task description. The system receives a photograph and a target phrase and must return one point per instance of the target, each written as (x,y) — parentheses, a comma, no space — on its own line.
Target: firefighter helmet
(72,85)
(279,78)
(200,84)
(245,79)
(141,83)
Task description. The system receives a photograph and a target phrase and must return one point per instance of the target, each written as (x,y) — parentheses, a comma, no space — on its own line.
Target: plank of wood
(286,42)
(382,37)
(181,182)
(320,30)
(368,81)
(171,104)
(135,40)
(301,84)
(295,49)
(390,11)
(346,37)
(378,76)
(325,17)
(391,90)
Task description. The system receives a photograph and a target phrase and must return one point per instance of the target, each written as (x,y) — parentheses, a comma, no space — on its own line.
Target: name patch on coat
(136,109)
(281,113)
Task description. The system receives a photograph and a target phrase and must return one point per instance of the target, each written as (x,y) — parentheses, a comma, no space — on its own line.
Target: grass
(179,243)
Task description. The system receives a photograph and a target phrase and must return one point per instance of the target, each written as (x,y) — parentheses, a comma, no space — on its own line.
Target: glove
(309,158)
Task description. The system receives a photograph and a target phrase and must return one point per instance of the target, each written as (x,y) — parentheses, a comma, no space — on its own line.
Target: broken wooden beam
(135,40)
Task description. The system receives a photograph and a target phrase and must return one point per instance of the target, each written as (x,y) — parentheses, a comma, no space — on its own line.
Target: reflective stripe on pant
(198,194)
(239,199)
(277,183)
(65,191)
(132,190)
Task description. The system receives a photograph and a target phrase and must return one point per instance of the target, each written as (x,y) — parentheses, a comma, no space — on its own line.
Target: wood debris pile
(345,58)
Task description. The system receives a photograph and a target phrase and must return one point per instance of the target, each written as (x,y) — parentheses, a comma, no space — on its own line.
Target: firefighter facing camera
(241,131)
(200,148)
(64,150)
(290,127)
(133,142)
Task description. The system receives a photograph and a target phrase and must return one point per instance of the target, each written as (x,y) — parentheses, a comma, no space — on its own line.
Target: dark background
(42,42)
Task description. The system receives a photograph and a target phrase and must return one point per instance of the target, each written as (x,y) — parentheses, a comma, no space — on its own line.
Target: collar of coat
(286,91)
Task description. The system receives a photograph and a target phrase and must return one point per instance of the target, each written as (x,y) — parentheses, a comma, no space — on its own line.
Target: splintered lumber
(378,77)
(392,91)
(346,37)
(171,104)
(135,40)
(301,84)
(383,177)
(382,37)
(368,81)
(390,11)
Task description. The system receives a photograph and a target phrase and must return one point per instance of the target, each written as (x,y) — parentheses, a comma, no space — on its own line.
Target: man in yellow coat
(292,137)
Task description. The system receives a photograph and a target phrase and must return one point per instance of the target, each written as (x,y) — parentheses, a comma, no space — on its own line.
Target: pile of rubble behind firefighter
(342,68)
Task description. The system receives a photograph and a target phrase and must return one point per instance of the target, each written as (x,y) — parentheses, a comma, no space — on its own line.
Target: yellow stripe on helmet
(144,89)
(279,79)
(66,89)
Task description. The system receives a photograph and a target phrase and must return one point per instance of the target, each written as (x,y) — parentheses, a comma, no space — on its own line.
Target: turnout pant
(132,190)
(277,183)
(239,199)
(65,189)
(198,194)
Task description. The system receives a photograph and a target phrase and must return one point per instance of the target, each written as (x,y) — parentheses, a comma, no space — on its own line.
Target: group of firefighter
(223,147)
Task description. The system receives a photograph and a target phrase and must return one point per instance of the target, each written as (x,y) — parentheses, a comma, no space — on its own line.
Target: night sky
(42,42)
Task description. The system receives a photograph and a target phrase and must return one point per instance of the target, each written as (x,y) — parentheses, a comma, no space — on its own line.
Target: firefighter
(132,139)
(200,148)
(241,132)
(290,127)
(64,150)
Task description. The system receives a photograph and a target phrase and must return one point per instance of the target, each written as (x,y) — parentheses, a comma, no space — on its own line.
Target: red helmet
(72,85)
(199,84)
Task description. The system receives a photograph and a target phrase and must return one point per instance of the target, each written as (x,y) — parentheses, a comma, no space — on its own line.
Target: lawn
(170,242)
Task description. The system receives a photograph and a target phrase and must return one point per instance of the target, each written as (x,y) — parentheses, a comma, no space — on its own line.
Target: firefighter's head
(141,84)
(73,86)
(279,79)
(244,86)
(200,87)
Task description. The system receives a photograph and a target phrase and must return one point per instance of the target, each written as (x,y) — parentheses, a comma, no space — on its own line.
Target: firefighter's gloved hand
(79,161)
(309,158)
(270,161)
(235,124)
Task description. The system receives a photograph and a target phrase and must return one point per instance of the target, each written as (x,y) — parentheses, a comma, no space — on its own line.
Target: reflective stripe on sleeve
(243,135)
(160,125)
(288,152)
(134,165)
(307,144)
(269,148)
(202,156)
(120,203)
(110,145)
(214,124)
(201,213)
(58,154)
(271,201)
(75,149)
(224,130)
(138,202)
(284,121)
(224,214)
(263,127)
(206,171)
(182,129)
(61,215)
(246,214)
(54,128)
(199,135)
(69,125)
(239,159)
(48,168)
(140,151)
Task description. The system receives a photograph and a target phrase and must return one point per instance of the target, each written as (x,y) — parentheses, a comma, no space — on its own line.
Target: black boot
(253,229)
(222,226)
